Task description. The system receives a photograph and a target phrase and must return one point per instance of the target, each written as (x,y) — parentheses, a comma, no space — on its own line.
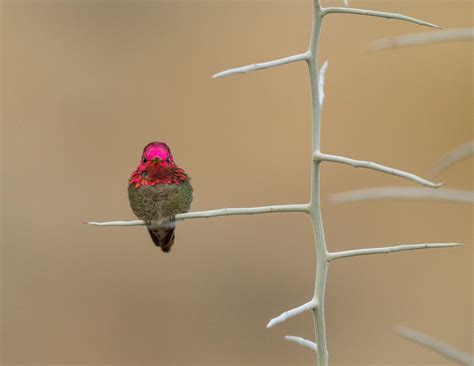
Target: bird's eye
(168,160)
(144,160)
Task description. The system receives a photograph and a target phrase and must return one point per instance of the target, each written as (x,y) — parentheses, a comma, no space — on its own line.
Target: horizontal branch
(318,156)
(417,39)
(116,223)
(215,213)
(443,194)
(264,65)
(436,345)
(380,14)
(461,152)
(313,304)
(387,250)
(303,342)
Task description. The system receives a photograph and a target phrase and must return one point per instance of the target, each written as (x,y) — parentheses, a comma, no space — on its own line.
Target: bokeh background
(86,84)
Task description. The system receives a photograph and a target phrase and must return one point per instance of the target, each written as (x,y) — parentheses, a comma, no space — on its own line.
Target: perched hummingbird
(158,190)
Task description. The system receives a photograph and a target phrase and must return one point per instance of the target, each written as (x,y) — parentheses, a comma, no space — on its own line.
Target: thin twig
(417,39)
(116,223)
(263,65)
(387,250)
(442,348)
(380,14)
(322,73)
(303,342)
(310,305)
(459,153)
(215,213)
(443,194)
(374,166)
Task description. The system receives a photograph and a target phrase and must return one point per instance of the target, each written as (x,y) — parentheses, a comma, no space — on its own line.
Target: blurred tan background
(86,84)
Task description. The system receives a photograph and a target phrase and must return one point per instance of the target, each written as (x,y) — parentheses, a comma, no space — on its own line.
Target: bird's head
(158,152)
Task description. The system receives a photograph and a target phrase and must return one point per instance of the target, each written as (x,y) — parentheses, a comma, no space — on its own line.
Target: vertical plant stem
(315,205)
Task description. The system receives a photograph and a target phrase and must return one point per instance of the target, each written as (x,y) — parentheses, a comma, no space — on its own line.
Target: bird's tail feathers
(163,236)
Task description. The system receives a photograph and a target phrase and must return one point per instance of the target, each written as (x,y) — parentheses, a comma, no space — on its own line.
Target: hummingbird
(158,190)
